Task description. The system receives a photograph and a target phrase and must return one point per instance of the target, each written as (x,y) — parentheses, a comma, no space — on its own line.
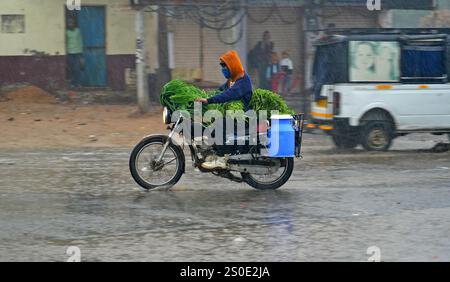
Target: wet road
(336,206)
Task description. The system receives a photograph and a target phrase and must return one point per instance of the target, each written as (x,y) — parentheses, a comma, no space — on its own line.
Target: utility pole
(164,73)
(202,50)
(435,12)
(141,73)
(241,30)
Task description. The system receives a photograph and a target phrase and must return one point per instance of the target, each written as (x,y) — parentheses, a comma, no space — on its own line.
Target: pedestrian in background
(75,61)
(273,72)
(287,67)
(260,58)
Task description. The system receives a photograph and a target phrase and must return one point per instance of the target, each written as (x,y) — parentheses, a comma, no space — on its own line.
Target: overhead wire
(221,15)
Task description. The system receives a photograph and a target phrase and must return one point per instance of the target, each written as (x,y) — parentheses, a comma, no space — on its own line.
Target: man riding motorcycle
(157,161)
(237,87)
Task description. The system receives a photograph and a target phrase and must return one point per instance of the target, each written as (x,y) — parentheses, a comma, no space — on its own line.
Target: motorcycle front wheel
(271,181)
(151,174)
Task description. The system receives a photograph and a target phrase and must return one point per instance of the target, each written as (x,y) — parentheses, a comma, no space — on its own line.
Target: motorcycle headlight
(166,116)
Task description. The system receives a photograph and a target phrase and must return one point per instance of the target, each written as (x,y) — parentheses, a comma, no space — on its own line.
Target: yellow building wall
(120,30)
(45,28)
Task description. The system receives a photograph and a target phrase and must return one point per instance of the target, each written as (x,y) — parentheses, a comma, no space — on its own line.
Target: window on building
(13,23)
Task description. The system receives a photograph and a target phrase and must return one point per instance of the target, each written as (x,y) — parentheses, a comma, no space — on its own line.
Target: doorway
(91,22)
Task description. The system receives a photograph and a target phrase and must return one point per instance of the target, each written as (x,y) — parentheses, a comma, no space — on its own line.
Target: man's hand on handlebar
(202,100)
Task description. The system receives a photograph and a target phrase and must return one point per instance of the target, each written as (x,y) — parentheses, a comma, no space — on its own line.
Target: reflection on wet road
(335,207)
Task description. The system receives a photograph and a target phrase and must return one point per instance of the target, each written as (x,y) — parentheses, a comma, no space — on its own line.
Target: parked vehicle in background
(373,86)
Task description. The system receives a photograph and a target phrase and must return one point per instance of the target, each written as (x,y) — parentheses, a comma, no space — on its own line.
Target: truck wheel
(377,136)
(344,142)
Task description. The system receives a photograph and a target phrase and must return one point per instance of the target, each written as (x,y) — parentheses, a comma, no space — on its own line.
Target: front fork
(169,139)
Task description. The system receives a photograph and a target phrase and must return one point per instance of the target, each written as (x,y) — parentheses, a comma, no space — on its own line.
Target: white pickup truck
(388,100)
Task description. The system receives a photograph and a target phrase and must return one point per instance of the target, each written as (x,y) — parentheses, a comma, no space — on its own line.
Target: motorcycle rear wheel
(256,182)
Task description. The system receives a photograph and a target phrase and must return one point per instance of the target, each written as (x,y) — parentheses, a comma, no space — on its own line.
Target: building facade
(33,44)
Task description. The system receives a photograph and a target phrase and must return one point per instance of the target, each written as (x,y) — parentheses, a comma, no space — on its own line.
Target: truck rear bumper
(333,126)
(325,125)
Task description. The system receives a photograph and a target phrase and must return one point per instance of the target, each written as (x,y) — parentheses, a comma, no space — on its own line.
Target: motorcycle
(158,161)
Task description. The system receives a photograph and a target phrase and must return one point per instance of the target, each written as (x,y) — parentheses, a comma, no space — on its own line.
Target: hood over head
(233,62)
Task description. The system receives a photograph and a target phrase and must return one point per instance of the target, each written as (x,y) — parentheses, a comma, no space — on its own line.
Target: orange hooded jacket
(233,62)
(238,87)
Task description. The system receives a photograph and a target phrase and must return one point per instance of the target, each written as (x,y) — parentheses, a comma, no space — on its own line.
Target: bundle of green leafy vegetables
(179,95)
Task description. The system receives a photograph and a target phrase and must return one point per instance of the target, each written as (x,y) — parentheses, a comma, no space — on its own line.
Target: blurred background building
(33,41)
(182,39)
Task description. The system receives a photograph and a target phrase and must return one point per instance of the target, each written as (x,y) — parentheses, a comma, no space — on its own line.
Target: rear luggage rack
(299,122)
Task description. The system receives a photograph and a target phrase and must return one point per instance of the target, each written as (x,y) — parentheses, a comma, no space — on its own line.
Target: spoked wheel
(271,181)
(150,173)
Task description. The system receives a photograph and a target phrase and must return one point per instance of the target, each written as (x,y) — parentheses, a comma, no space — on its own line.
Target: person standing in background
(287,67)
(260,57)
(273,72)
(74,41)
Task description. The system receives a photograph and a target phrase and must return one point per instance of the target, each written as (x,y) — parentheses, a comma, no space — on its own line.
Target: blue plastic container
(281,137)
